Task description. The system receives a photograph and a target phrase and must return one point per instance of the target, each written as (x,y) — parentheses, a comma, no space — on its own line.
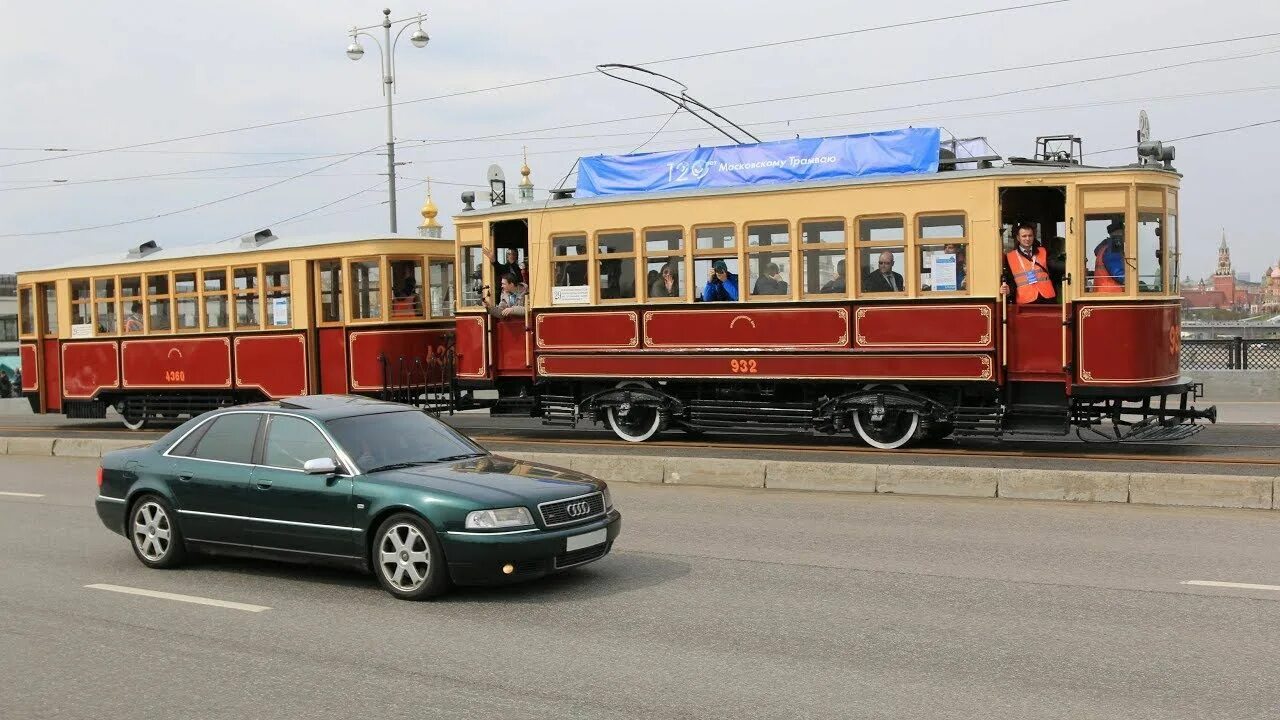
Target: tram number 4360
(175,376)
(743,366)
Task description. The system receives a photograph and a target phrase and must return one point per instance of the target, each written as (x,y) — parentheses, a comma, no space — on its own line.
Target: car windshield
(399,439)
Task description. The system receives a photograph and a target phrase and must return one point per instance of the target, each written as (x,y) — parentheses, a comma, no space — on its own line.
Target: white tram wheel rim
(625,435)
(136,425)
(893,445)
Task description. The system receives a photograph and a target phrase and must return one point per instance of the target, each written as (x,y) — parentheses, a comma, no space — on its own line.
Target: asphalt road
(716,604)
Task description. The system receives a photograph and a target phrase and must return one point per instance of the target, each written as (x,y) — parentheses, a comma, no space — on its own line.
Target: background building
(1229,290)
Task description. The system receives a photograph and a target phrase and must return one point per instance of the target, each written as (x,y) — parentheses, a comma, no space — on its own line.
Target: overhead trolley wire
(191,208)
(525,83)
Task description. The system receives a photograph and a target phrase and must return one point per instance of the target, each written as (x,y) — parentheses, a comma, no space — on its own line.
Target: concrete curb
(1218,491)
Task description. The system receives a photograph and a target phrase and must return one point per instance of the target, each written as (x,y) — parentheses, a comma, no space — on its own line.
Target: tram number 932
(743,366)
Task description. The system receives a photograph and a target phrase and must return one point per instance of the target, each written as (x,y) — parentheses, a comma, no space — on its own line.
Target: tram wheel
(133,419)
(890,431)
(634,423)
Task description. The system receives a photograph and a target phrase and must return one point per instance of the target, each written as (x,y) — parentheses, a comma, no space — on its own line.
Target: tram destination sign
(893,152)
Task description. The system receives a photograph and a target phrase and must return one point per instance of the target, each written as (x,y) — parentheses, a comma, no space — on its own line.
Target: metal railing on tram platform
(428,383)
(1231,354)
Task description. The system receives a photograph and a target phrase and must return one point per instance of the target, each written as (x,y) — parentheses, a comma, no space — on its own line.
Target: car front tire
(154,534)
(408,559)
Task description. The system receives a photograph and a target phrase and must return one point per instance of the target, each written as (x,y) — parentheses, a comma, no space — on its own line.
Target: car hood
(494,480)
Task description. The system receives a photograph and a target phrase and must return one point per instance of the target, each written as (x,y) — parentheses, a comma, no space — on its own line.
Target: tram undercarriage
(883,415)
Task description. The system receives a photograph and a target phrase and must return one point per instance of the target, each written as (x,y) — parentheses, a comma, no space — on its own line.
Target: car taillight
(100,471)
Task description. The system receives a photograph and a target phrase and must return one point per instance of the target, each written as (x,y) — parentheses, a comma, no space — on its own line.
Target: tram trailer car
(160,333)
(867,302)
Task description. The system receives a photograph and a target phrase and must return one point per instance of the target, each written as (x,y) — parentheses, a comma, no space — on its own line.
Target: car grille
(585,555)
(576,509)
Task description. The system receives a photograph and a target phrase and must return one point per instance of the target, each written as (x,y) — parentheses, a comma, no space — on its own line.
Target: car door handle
(262,484)
(184,477)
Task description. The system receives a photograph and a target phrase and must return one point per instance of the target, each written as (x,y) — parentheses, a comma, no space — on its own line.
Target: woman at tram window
(666,284)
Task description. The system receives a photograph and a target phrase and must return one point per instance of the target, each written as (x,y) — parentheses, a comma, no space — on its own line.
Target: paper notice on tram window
(280,311)
(570,294)
(82,331)
(943,275)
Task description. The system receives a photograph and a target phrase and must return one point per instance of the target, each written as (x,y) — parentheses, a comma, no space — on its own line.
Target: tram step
(981,422)
(559,410)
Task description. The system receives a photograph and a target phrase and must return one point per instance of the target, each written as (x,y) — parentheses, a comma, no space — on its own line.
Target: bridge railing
(1231,354)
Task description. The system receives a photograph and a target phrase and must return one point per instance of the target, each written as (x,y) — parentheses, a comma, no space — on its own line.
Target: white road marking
(18,494)
(180,598)
(1241,586)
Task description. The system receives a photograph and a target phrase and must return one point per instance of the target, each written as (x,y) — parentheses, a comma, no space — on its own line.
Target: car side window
(292,441)
(230,438)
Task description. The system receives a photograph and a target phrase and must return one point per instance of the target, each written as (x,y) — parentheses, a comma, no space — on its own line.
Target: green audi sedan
(352,481)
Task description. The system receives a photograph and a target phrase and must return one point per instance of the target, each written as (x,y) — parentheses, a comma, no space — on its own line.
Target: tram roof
(1009,170)
(231,247)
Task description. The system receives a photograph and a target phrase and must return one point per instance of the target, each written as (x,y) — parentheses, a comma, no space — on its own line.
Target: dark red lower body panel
(757,366)
(275,364)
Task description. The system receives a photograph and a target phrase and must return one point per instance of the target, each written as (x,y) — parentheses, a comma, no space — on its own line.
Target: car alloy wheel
(408,559)
(155,536)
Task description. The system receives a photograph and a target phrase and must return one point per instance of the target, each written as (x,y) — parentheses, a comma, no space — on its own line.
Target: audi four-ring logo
(578,509)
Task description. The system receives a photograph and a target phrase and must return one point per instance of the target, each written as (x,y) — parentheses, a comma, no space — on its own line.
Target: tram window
(81,303)
(26,313)
(47,295)
(1104,237)
(366,289)
(615,256)
(158,303)
(890,229)
(717,278)
(441,287)
(472,275)
(104,304)
(330,283)
(131,303)
(275,286)
(663,242)
(822,257)
(186,302)
(1175,260)
(879,269)
(769,274)
(406,288)
(216,303)
(569,268)
(943,268)
(666,277)
(245,281)
(714,238)
(1151,252)
(945,227)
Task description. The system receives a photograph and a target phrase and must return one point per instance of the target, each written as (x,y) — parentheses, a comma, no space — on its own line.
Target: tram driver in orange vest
(1028,268)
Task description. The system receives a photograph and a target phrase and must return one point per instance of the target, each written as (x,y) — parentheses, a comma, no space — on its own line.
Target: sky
(88,76)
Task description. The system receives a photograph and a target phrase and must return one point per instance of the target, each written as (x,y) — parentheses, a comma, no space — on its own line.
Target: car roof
(328,407)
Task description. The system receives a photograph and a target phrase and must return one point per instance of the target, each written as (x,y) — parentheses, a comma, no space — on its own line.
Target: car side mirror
(320,466)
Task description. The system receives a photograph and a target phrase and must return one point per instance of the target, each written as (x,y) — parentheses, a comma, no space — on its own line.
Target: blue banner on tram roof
(893,152)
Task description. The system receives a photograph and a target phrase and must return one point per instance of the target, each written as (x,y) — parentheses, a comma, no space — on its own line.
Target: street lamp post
(386,54)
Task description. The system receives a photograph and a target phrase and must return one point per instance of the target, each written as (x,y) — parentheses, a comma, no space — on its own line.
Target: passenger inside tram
(510,303)
(771,281)
(665,283)
(722,285)
(836,284)
(883,278)
(1108,267)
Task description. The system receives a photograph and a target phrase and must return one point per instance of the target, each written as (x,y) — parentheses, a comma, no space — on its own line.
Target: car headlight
(500,518)
(608,500)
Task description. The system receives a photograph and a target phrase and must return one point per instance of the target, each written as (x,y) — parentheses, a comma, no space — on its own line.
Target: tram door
(1037,340)
(511,351)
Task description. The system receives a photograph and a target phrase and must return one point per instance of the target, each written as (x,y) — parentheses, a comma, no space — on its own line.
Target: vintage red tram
(667,301)
(163,332)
